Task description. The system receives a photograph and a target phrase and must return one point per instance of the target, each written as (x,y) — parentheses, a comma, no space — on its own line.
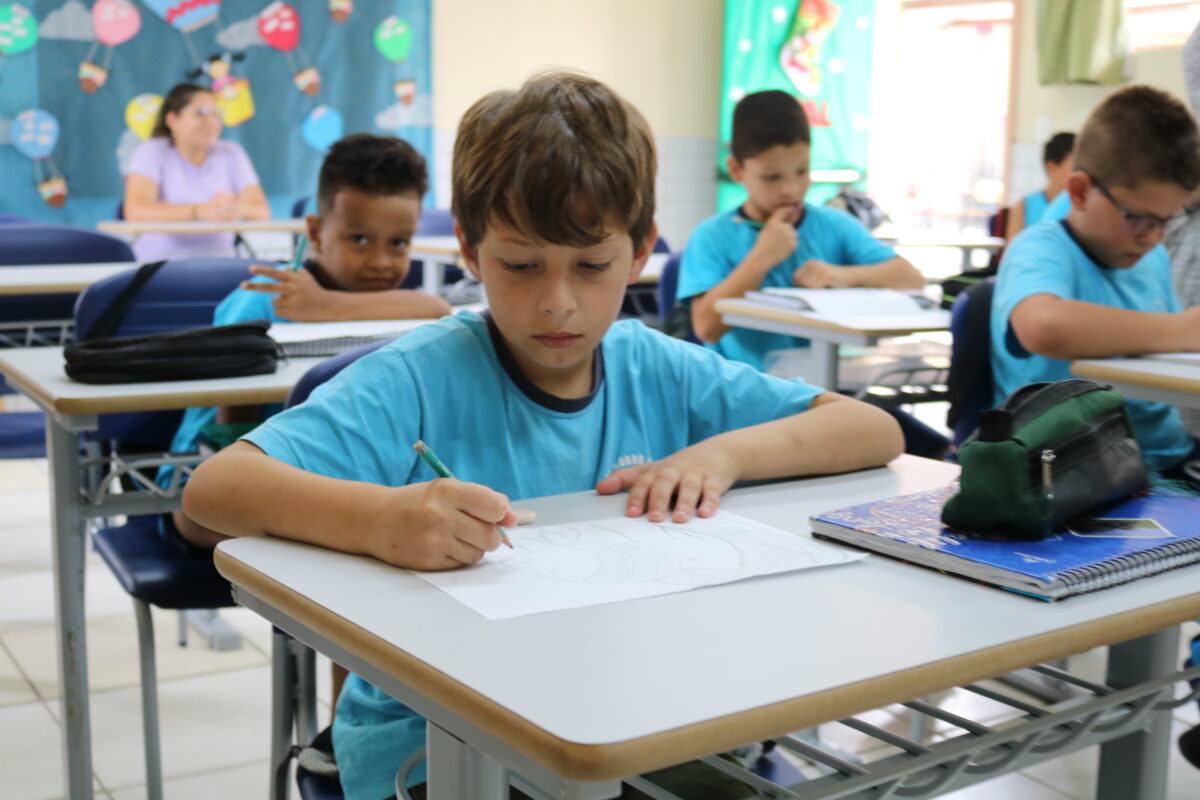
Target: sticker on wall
(279,26)
(800,56)
(18,30)
(141,113)
(341,10)
(115,22)
(232,92)
(186,16)
(393,39)
(34,133)
(413,113)
(322,127)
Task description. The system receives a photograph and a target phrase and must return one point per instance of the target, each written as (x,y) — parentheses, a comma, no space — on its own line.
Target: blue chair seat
(23,434)
(158,571)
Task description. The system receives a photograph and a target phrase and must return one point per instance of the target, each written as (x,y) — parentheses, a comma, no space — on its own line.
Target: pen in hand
(298,258)
(437,466)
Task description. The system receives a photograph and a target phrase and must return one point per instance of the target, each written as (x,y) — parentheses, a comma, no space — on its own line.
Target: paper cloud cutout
(128,142)
(5,131)
(400,115)
(72,21)
(240,35)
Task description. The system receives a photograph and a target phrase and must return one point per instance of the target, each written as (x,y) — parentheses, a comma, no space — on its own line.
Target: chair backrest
(668,282)
(970,382)
(435,222)
(661,246)
(34,243)
(300,207)
(13,219)
(183,294)
(326,370)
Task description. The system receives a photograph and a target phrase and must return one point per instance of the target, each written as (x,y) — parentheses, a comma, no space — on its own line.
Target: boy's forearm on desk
(837,434)
(1050,326)
(745,277)
(895,273)
(392,304)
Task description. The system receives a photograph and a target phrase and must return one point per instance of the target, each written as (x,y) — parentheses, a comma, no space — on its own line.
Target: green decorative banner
(818,50)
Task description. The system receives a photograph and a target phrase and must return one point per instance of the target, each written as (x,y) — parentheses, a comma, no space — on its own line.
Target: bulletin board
(81,80)
(819,51)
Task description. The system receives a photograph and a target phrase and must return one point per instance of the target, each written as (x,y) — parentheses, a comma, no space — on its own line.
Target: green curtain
(818,50)
(1082,41)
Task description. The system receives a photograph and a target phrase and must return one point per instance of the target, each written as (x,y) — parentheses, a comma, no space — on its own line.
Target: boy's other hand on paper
(442,524)
(814,274)
(298,296)
(778,239)
(696,476)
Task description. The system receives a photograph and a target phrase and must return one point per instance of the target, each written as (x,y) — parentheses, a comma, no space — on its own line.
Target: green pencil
(443,471)
(298,259)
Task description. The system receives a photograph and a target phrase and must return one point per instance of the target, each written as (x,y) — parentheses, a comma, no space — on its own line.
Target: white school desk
(1145,379)
(71,408)
(57,278)
(574,700)
(896,237)
(827,331)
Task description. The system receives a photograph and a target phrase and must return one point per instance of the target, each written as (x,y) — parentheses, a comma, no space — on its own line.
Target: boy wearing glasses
(1098,283)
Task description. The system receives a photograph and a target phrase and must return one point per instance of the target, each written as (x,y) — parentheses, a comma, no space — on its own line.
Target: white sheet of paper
(1187,359)
(852,301)
(555,567)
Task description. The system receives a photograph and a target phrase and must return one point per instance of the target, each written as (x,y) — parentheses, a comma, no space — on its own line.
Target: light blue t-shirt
(1046,259)
(720,243)
(1035,206)
(240,305)
(453,384)
(1058,209)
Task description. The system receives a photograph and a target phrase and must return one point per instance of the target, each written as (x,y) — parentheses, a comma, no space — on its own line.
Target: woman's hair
(176,100)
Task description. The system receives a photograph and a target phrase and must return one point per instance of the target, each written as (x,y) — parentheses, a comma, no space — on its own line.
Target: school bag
(1049,453)
(224,351)
(860,206)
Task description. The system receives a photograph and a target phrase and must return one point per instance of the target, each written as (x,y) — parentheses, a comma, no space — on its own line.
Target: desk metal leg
(433,275)
(457,770)
(69,553)
(1136,765)
(823,365)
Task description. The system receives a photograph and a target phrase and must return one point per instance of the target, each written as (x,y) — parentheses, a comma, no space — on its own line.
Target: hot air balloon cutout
(141,113)
(279,27)
(116,22)
(322,127)
(34,133)
(187,16)
(393,39)
(18,30)
(233,94)
(341,10)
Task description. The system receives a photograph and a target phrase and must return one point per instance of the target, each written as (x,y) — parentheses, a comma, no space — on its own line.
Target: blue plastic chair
(971,381)
(433,222)
(13,219)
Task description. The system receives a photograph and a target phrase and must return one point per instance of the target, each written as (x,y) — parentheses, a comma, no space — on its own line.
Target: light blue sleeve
(723,395)
(241,305)
(705,263)
(1036,262)
(1058,209)
(855,244)
(359,426)
(1162,264)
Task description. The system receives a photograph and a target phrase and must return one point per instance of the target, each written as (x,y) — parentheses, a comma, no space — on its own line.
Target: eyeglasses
(205,111)
(1139,224)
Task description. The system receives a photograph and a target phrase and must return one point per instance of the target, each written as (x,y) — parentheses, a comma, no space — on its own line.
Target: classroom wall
(662,55)
(1042,111)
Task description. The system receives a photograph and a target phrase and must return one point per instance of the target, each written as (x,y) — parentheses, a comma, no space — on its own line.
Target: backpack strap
(110,318)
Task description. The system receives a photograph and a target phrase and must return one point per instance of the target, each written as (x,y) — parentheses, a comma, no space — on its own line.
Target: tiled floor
(215,705)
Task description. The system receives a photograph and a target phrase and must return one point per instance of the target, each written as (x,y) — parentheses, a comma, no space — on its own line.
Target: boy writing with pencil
(368,203)
(554,201)
(1098,283)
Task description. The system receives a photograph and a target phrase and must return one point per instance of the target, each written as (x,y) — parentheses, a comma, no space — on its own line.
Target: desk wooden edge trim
(27,385)
(622,759)
(755,311)
(173,402)
(1151,380)
(44,288)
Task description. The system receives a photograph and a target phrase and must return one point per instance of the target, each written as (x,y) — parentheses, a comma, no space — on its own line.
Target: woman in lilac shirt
(184,171)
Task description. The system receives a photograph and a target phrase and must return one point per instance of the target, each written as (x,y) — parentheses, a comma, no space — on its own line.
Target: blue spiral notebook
(1141,536)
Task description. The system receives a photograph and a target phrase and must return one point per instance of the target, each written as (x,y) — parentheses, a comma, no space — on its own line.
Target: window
(1161,24)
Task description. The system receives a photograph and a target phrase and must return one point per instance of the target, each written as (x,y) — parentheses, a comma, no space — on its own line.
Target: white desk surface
(613,690)
(866,325)
(38,373)
(1145,378)
(928,238)
(124,227)
(57,278)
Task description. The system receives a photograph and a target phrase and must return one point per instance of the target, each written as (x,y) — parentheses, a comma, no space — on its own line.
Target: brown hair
(1140,134)
(176,100)
(559,159)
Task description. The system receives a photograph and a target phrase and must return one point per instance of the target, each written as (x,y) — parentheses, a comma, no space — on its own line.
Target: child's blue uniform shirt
(1046,259)
(240,305)
(453,384)
(720,243)
(1058,209)
(1035,206)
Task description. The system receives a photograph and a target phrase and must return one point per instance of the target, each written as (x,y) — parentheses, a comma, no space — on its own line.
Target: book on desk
(1143,535)
(855,301)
